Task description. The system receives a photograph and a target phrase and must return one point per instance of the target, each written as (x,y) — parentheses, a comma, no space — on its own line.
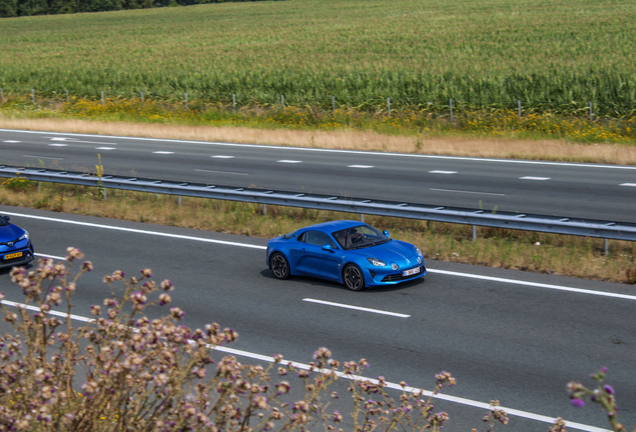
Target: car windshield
(358,237)
(3,221)
(289,235)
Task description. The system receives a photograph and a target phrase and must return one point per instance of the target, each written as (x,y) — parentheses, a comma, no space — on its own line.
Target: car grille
(399,277)
(7,242)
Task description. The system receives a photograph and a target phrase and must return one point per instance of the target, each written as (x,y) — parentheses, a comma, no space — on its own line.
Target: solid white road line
(253,246)
(310,149)
(628,184)
(221,172)
(92,225)
(42,157)
(534,178)
(534,284)
(50,256)
(468,192)
(394,386)
(442,172)
(357,308)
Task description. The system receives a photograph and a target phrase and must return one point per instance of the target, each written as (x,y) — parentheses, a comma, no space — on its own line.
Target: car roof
(332,226)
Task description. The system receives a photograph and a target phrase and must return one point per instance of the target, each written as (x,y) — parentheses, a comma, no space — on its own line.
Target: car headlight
(24,236)
(376,262)
(419,252)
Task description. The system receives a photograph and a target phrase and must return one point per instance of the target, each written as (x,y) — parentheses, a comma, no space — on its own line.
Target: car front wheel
(279,265)
(353,278)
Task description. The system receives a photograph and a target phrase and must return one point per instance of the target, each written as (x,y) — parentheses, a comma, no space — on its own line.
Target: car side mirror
(7,217)
(327,247)
(386,233)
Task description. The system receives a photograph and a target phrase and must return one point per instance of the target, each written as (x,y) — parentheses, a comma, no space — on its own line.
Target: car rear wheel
(279,265)
(353,278)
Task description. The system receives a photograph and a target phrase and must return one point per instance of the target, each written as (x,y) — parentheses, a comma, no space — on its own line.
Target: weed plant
(502,248)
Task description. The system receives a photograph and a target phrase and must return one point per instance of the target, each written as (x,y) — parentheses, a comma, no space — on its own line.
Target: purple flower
(603,369)
(579,403)
(609,389)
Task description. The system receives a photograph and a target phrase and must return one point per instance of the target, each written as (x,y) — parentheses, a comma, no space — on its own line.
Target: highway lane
(517,343)
(574,190)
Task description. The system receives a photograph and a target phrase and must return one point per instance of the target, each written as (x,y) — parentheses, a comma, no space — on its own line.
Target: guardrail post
(264,209)
(519,106)
(474,232)
(591,113)
(333,105)
(234,103)
(282,101)
(451,109)
(1,95)
(179,200)
(362,217)
(33,95)
(102,97)
(388,104)
(142,97)
(67,96)
(186,99)
(605,247)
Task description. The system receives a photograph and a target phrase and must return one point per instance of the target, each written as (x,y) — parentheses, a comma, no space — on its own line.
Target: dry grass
(555,254)
(559,150)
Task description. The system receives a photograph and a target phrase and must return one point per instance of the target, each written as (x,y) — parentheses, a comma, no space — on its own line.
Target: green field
(552,55)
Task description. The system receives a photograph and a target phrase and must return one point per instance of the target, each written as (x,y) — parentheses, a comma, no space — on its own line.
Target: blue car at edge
(15,245)
(349,252)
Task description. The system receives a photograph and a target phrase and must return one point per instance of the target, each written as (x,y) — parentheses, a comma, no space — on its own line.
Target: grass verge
(521,250)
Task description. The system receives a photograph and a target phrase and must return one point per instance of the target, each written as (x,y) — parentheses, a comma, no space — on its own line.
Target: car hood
(394,250)
(10,232)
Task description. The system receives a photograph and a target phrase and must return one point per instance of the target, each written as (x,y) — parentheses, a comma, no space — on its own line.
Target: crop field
(551,55)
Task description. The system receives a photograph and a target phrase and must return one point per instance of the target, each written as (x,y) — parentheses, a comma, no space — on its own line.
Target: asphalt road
(560,189)
(507,335)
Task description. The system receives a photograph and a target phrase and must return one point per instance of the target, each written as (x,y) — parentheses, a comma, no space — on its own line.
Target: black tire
(279,265)
(353,278)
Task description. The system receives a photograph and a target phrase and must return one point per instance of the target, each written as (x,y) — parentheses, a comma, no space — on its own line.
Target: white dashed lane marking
(442,172)
(11,141)
(534,178)
(628,184)
(58,145)
(359,166)
(105,148)
(289,161)
(163,152)
(222,157)
(74,140)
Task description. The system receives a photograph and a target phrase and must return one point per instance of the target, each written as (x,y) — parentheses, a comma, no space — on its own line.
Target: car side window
(318,238)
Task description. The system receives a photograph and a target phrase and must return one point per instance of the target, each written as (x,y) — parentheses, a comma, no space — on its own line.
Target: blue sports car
(15,246)
(348,252)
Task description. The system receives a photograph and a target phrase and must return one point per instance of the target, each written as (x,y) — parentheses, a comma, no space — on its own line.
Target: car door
(318,261)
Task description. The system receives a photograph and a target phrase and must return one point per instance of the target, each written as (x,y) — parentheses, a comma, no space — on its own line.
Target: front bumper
(8,258)
(380,276)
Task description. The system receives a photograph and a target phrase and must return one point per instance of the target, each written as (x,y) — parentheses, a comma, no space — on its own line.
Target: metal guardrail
(528,222)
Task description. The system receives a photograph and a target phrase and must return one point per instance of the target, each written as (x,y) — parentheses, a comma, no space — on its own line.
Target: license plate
(411,272)
(13,255)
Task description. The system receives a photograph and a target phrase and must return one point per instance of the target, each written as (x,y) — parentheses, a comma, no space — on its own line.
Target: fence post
(234,103)
(591,113)
(519,103)
(451,109)
(282,100)
(333,105)
(388,104)
(33,95)
(102,97)
(186,99)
